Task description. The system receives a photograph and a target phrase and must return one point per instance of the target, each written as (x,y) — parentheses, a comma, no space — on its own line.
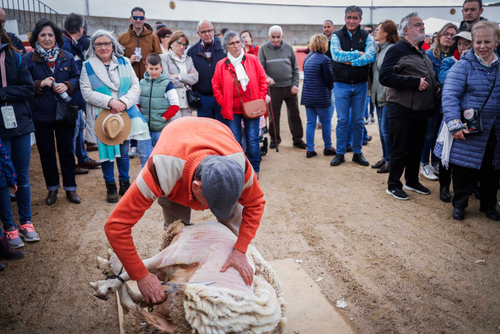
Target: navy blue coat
(318,81)
(18,93)
(204,66)
(65,70)
(76,50)
(467,86)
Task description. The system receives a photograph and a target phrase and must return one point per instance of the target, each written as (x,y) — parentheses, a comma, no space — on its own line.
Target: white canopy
(433,25)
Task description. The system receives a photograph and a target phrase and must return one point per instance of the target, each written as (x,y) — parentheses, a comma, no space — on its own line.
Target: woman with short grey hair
(108,81)
(227,37)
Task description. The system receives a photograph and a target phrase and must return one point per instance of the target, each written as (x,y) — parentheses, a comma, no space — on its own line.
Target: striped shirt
(341,56)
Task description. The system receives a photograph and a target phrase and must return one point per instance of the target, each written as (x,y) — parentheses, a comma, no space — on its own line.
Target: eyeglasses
(232,44)
(448,35)
(180,43)
(100,45)
(138,18)
(204,32)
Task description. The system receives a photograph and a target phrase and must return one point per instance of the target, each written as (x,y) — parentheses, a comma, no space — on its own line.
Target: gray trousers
(173,211)
(90,135)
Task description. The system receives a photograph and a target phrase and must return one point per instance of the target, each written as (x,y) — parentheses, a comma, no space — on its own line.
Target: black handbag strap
(491,90)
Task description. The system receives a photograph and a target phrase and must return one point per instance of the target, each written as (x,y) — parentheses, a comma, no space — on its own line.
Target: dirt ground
(402,267)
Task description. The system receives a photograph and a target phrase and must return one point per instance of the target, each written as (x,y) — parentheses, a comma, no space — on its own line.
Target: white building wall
(250,13)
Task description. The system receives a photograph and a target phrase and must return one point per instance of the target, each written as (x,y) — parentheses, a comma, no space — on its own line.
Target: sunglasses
(138,18)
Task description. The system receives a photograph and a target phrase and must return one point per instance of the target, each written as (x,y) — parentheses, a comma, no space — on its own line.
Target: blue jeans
(349,133)
(145,147)
(79,140)
(108,167)
(211,109)
(430,141)
(5,209)
(349,96)
(383,128)
(325,117)
(251,137)
(19,149)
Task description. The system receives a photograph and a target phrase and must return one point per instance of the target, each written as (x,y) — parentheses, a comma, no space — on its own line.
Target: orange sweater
(183,144)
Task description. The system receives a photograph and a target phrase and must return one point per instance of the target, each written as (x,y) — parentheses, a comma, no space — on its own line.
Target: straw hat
(112,129)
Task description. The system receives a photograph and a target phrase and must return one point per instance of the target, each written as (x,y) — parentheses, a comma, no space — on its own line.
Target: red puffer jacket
(223,82)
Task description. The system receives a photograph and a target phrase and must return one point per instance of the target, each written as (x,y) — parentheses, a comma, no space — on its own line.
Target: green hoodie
(153,101)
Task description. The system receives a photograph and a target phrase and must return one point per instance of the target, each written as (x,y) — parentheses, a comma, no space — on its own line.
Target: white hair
(405,23)
(274,29)
(118,50)
(200,23)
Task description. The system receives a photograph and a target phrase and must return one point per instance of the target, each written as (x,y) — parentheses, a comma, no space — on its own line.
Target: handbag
(471,118)
(66,113)
(193,98)
(251,109)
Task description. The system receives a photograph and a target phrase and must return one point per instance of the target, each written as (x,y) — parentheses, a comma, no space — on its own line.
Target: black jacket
(17,42)
(205,66)
(19,91)
(347,73)
(401,71)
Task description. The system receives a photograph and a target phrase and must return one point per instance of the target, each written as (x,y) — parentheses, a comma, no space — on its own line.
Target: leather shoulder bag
(251,109)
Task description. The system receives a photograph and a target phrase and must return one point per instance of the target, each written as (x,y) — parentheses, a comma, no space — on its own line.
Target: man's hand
(460,134)
(151,289)
(238,260)
(135,58)
(295,90)
(361,53)
(423,84)
(270,81)
(117,106)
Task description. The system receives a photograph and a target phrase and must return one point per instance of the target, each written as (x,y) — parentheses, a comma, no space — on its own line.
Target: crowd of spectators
(436,100)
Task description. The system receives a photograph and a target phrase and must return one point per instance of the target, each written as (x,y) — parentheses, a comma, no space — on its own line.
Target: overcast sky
(361,2)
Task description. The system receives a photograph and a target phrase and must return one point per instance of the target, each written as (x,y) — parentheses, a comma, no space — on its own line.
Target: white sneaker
(133,153)
(435,169)
(427,173)
(367,120)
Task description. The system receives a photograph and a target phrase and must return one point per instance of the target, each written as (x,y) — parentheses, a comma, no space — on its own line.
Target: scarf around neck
(241,74)
(49,56)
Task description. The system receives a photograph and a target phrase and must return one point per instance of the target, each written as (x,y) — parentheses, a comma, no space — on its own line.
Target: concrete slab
(307,310)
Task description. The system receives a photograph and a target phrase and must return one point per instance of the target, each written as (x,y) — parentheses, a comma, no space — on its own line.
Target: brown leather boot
(73,197)
(51,197)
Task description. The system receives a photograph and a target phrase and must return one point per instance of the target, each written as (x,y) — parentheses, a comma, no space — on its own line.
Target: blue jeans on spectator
(47,148)
(210,108)
(350,100)
(19,149)
(5,208)
(79,140)
(123,164)
(430,141)
(349,133)
(325,117)
(383,128)
(251,137)
(145,147)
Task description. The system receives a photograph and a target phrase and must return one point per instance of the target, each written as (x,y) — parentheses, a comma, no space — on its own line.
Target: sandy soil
(402,267)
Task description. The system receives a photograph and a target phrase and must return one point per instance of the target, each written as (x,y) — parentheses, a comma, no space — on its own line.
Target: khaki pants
(173,211)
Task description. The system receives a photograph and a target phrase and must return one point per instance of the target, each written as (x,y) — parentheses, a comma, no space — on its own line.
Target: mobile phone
(9,117)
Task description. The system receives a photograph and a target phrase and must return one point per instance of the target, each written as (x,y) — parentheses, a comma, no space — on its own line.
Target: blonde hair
(436,51)
(176,36)
(484,25)
(318,43)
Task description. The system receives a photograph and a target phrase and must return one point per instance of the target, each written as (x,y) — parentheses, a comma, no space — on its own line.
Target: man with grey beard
(412,87)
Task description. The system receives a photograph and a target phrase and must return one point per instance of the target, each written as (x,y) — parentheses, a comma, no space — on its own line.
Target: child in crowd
(159,103)
(12,240)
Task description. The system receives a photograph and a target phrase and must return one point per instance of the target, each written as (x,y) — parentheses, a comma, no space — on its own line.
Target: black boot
(7,252)
(112,196)
(124,185)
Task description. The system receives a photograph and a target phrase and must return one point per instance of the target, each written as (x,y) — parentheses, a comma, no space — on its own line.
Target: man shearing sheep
(196,164)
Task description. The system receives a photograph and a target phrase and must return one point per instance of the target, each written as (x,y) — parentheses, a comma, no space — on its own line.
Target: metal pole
(371,14)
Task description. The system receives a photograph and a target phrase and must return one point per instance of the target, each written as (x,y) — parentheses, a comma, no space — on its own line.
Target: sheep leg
(125,300)
(105,288)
